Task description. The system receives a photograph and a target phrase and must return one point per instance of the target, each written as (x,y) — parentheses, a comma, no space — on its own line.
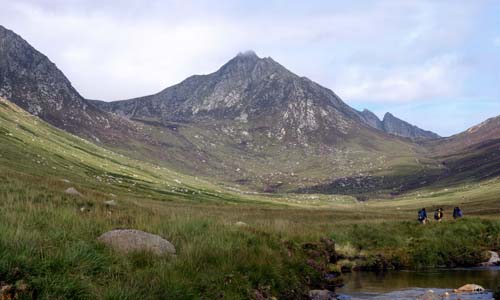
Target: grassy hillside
(48,238)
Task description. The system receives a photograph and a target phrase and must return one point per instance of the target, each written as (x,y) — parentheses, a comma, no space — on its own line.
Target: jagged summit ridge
(392,125)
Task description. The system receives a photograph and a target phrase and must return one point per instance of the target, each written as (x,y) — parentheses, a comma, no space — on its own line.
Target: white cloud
(438,77)
(379,50)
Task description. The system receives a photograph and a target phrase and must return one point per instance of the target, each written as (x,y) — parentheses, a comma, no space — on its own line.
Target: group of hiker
(438,214)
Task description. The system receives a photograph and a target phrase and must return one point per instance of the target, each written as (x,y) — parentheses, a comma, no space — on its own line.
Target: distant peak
(388,115)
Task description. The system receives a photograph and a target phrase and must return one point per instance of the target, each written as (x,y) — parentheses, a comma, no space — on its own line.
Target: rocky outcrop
(130,240)
(395,126)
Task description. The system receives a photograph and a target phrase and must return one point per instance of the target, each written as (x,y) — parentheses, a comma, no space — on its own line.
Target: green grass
(49,243)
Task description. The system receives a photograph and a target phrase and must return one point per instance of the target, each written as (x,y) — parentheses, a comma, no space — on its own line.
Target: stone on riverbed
(429,295)
(322,295)
(131,240)
(469,288)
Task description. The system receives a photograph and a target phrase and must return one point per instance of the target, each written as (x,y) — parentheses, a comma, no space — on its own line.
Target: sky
(433,63)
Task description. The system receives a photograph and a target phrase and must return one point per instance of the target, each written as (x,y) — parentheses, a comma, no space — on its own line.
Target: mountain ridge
(33,82)
(248,89)
(395,126)
(251,123)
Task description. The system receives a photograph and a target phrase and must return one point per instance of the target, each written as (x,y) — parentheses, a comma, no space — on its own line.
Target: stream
(405,285)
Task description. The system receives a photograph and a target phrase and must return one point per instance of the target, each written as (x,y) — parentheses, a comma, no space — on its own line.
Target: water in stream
(403,285)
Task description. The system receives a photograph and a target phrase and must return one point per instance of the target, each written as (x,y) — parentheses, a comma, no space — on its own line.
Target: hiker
(457,213)
(422,216)
(438,215)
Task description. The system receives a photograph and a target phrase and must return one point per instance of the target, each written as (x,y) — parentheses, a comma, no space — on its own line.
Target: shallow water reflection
(412,284)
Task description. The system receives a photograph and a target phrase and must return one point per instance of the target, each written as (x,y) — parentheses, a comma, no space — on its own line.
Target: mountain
(269,127)
(252,123)
(251,90)
(392,125)
(30,80)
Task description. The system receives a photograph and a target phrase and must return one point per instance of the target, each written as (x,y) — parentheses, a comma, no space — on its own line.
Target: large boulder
(130,240)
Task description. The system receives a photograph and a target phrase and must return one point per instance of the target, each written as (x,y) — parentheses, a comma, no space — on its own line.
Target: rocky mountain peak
(257,92)
(248,66)
(395,126)
(388,116)
(371,119)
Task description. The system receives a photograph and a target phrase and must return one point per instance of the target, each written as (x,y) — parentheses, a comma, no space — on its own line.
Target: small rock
(469,288)
(322,295)
(110,203)
(429,295)
(131,240)
(493,261)
(65,180)
(241,224)
(72,191)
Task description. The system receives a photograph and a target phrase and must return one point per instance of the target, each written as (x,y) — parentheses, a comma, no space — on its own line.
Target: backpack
(421,215)
(437,215)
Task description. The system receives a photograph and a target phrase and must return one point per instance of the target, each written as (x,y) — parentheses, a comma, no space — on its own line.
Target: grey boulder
(131,240)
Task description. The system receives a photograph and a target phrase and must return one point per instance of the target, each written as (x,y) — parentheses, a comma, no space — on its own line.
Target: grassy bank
(399,245)
(47,242)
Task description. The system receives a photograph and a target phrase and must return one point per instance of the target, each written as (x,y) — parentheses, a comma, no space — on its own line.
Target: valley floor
(48,241)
